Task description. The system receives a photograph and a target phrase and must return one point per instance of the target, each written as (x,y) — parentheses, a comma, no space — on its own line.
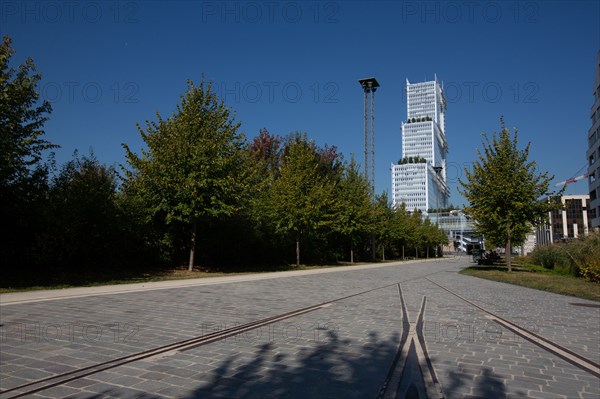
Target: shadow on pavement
(329,369)
(487,385)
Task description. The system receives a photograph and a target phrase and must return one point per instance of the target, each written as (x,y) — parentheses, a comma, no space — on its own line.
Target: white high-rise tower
(419,178)
(593,153)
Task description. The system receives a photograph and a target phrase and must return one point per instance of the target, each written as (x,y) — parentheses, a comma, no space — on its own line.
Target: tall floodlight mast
(369,86)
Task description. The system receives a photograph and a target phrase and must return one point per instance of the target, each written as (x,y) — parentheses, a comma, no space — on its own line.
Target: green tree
(302,198)
(21,119)
(383,222)
(83,229)
(504,190)
(431,237)
(402,229)
(266,152)
(441,240)
(266,155)
(23,175)
(414,234)
(354,215)
(191,172)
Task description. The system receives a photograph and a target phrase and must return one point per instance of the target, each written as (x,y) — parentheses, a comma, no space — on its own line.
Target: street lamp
(437,170)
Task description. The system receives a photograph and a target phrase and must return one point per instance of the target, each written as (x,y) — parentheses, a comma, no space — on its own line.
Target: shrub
(550,257)
(591,269)
(590,257)
(579,257)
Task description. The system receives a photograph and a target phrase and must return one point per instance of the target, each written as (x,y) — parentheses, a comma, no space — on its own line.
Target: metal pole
(373,138)
(437,217)
(437,170)
(437,209)
(366,138)
(369,86)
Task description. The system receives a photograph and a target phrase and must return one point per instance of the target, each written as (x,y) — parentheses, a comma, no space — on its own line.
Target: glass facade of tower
(415,181)
(593,153)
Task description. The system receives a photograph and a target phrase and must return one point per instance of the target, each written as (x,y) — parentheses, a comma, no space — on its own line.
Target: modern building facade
(459,228)
(419,178)
(570,222)
(593,153)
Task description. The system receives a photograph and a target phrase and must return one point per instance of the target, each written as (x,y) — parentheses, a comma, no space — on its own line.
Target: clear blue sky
(294,65)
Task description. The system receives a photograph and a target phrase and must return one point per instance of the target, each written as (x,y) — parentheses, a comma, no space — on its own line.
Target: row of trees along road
(199,192)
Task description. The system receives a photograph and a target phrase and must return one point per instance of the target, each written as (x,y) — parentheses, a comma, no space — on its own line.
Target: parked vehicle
(487,258)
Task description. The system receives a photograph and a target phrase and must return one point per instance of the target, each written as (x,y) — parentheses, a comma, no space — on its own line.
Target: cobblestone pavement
(342,350)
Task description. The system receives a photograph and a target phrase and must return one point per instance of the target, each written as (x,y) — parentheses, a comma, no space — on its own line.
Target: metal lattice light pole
(437,170)
(369,86)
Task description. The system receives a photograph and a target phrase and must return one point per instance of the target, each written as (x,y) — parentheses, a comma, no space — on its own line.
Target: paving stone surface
(344,349)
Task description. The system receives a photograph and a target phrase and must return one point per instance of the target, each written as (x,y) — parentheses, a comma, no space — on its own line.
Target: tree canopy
(191,171)
(504,191)
(302,198)
(23,174)
(22,118)
(197,190)
(355,216)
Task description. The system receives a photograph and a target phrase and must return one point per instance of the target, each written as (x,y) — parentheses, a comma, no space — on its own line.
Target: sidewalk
(79,292)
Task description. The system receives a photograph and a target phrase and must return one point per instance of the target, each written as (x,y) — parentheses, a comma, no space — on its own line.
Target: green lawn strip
(89,282)
(164,275)
(538,279)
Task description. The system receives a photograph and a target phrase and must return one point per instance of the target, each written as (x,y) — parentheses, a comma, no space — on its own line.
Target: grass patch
(537,277)
(115,277)
(95,280)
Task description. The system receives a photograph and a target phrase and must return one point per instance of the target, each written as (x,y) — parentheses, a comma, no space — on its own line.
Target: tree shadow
(487,385)
(330,369)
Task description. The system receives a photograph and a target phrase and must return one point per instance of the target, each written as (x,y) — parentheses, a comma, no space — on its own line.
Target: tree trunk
(297,251)
(192,247)
(351,255)
(403,252)
(373,255)
(427,252)
(508,254)
(416,252)
(383,252)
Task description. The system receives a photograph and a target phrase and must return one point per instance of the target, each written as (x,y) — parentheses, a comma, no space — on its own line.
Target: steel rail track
(411,355)
(390,380)
(566,354)
(187,344)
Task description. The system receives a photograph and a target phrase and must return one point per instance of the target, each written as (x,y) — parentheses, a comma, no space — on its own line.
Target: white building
(593,153)
(419,178)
